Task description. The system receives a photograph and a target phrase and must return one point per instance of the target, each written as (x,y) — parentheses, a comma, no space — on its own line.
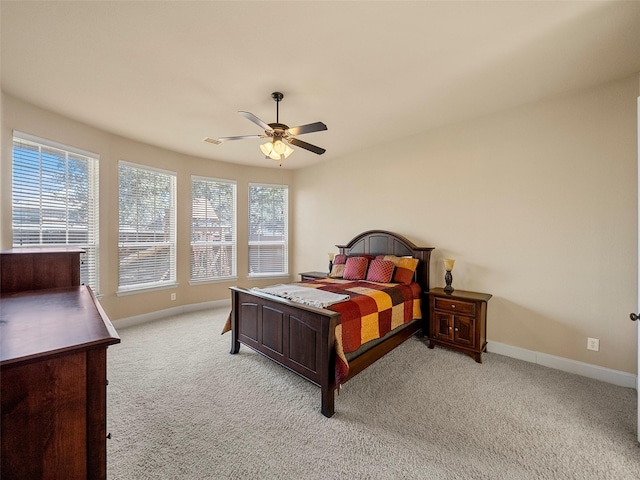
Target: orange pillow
(405,270)
(391,258)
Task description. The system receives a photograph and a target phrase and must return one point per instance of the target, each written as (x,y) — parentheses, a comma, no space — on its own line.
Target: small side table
(312,275)
(458,320)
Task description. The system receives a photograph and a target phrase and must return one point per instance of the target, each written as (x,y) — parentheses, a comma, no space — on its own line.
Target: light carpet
(181,407)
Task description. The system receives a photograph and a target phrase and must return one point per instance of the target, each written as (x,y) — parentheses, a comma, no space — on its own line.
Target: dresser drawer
(455,306)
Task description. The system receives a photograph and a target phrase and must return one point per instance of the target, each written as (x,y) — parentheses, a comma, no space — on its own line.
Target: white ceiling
(172,73)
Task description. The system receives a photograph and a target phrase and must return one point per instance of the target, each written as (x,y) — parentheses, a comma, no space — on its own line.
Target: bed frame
(302,338)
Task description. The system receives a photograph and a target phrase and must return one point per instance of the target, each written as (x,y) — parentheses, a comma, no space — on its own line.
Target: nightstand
(458,320)
(312,275)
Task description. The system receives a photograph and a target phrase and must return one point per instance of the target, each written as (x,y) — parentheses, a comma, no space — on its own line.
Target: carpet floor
(181,407)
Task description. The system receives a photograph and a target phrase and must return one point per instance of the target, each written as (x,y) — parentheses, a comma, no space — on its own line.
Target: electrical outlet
(173,296)
(593,344)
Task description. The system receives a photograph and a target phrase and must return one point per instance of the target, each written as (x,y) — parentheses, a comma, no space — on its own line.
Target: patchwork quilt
(373,311)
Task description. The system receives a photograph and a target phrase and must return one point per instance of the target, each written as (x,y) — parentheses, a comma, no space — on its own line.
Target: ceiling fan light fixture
(267,148)
(276,150)
(279,146)
(287,150)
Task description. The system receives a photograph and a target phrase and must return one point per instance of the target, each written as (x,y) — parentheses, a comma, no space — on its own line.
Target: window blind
(213,229)
(147,227)
(268,230)
(55,194)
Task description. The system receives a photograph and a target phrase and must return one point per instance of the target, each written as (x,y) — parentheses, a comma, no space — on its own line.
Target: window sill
(213,280)
(135,290)
(267,276)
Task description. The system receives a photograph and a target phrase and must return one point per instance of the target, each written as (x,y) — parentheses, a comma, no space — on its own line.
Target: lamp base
(448,278)
(330,266)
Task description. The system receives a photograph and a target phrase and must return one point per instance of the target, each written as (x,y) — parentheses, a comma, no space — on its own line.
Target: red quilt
(373,311)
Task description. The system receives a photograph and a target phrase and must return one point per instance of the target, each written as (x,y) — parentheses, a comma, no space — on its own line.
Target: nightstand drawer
(455,306)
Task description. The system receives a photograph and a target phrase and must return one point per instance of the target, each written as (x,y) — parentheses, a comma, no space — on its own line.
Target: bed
(302,338)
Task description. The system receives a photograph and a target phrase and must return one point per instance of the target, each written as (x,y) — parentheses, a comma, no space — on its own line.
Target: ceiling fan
(280,134)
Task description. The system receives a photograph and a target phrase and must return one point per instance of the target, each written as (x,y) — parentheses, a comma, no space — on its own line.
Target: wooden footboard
(298,337)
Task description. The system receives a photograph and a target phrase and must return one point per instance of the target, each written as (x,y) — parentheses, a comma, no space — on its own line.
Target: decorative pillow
(380,271)
(340,259)
(337,271)
(391,258)
(355,268)
(405,268)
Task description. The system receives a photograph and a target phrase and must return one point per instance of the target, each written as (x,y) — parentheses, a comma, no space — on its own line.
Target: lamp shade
(448,264)
(287,150)
(267,149)
(276,149)
(279,147)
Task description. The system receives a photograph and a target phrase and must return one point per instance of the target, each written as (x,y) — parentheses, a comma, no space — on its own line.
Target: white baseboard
(159,314)
(617,377)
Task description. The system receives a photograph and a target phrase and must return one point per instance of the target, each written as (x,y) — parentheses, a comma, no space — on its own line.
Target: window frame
(90,259)
(284,243)
(231,244)
(171,242)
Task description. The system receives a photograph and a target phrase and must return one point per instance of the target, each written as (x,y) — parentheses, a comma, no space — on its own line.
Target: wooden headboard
(381,242)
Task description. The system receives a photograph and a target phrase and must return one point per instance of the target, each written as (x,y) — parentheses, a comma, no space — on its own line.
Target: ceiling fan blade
(306,146)
(311,127)
(240,137)
(256,120)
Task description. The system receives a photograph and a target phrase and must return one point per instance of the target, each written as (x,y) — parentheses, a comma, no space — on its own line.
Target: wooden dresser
(53,385)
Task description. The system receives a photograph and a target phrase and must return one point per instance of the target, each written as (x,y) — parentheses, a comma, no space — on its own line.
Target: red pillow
(355,268)
(380,271)
(340,259)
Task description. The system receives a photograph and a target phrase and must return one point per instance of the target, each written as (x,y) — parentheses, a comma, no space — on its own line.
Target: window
(55,200)
(147,228)
(213,229)
(268,230)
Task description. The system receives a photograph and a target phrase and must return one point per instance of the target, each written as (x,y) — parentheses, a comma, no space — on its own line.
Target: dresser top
(18,250)
(41,323)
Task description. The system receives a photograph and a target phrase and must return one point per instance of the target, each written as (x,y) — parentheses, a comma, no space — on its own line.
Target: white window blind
(268,230)
(55,192)
(213,229)
(147,227)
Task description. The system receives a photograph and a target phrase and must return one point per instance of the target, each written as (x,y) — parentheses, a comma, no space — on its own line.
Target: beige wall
(17,115)
(538,206)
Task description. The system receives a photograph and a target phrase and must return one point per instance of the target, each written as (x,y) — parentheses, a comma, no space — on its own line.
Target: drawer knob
(456,329)
(453,306)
